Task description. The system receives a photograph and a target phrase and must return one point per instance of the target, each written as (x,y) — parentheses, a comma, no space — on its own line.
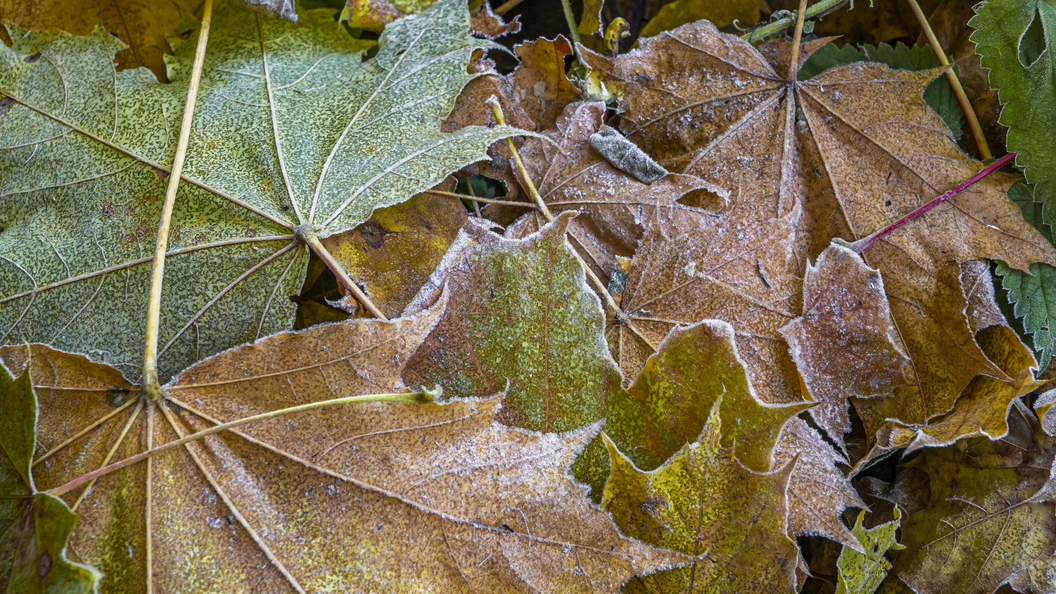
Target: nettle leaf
(1017,42)
(34,526)
(294,130)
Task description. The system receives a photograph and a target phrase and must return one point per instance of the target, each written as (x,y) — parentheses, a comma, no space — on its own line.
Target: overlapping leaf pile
(693,428)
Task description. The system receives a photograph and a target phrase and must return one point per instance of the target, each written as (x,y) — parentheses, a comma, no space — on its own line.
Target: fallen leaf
(845,343)
(277,144)
(861,573)
(590,23)
(34,526)
(361,495)
(988,519)
(703,503)
(371,15)
(868,151)
(675,14)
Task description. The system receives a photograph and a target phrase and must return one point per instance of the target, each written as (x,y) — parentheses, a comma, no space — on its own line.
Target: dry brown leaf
(490,25)
(141,25)
(845,343)
(430,497)
(818,491)
(613,207)
(866,149)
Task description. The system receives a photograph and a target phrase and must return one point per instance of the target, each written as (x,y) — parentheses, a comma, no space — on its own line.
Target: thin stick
(421,397)
(484,200)
(860,245)
(796,37)
(342,276)
(496,109)
(817,11)
(476,205)
(958,90)
(507,7)
(151,386)
(573,30)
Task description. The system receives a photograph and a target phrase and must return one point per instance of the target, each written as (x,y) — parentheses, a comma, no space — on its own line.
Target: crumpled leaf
(989,520)
(1015,40)
(818,491)
(614,208)
(702,502)
(868,151)
(861,573)
(90,171)
(845,343)
(362,496)
(143,26)
(34,526)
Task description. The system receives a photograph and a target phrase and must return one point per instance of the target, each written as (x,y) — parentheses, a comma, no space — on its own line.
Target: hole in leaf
(5,105)
(115,397)
(31,59)
(704,199)
(483,186)
(1032,43)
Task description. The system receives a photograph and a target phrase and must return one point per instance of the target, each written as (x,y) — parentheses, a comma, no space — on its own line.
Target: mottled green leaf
(34,527)
(861,573)
(703,502)
(1017,42)
(939,94)
(293,128)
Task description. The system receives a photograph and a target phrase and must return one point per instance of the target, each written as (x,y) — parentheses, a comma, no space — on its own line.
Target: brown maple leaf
(860,148)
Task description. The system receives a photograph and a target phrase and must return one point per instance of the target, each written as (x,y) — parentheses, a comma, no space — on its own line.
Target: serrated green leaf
(34,527)
(292,128)
(862,573)
(939,94)
(1017,42)
(1033,295)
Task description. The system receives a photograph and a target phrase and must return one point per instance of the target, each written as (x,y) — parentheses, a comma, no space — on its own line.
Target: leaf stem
(339,271)
(496,109)
(796,37)
(507,6)
(151,385)
(958,90)
(421,397)
(860,245)
(818,10)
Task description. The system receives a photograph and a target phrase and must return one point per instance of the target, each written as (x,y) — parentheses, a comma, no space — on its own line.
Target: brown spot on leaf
(44,565)
(373,234)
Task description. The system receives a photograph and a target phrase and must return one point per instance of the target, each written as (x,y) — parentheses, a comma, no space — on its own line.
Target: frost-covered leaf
(861,573)
(301,133)
(1017,41)
(34,526)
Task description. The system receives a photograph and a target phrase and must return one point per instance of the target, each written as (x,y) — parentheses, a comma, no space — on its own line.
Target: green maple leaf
(1017,42)
(295,133)
(34,526)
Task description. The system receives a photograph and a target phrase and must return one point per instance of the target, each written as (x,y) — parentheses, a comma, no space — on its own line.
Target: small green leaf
(34,527)
(1017,42)
(862,573)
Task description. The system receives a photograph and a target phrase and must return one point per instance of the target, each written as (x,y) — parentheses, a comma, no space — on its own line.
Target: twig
(339,271)
(485,200)
(958,90)
(151,385)
(421,397)
(507,7)
(476,205)
(860,245)
(572,29)
(796,37)
(496,109)
(817,11)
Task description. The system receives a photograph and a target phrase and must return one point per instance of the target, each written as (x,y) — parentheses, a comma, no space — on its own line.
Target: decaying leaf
(989,521)
(845,343)
(702,502)
(34,526)
(302,134)
(365,496)
(861,573)
(868,151)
